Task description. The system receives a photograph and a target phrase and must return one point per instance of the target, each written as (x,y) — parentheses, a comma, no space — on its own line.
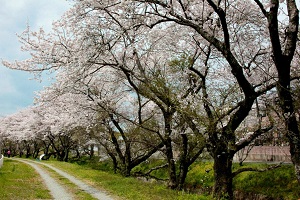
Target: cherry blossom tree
(110,106)
(219,24)
(204,63)
(207,20)
(62,118)
(21,129)
(85,76)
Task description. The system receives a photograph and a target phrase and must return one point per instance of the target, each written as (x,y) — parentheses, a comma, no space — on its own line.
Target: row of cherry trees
(170,76)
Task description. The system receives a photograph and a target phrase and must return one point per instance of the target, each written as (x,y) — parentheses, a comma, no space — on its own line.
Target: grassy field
(125,188)
(279,183)
(20,181)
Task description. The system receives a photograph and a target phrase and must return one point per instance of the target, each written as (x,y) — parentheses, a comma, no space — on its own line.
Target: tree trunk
(115,163)
(92,151)
(36,153)
(182,176)
(183,169)
(171,164)
(20,153)
(126,171)
(223,176)
(66,155)
(36,149)
(60,155)
(112,156)
(28,151)
(46,149)
(77,154)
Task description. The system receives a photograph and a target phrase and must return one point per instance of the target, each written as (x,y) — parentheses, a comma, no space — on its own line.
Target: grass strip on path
(78,193)
(83,186)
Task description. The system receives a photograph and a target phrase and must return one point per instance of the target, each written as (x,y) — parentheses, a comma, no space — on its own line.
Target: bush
(200,177)
(277,183)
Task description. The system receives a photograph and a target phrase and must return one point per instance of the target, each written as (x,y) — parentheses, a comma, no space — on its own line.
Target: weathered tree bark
(168,116)
(188,154)
(222,156)
(125,158)
(223,176)
(114,159)
(171,164)
(183,161)
(57,152)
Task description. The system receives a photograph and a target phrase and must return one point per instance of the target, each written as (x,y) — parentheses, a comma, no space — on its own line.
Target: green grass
(20,181)
(277,183)
(200,177)
(125,188)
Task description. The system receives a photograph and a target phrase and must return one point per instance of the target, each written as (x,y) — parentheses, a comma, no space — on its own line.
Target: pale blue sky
(16,88)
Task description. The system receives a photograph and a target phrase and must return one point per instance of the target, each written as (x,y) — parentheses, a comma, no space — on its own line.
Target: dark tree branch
(261,6)
(148,173)
(250,169)
(222,16)
(143,158)
(252,137)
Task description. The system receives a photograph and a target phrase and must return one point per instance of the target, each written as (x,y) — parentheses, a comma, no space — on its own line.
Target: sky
(17,89)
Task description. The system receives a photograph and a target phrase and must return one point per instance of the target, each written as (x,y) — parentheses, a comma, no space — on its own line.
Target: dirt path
(57,191)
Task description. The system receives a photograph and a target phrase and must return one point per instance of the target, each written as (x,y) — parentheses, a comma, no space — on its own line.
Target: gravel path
(56,190)
(54,187)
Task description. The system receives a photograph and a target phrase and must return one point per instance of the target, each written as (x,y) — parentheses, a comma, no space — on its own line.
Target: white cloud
(16,90)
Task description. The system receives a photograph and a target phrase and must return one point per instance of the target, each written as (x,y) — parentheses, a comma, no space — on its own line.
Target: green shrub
(277,183)
(94,163)
(200,177)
